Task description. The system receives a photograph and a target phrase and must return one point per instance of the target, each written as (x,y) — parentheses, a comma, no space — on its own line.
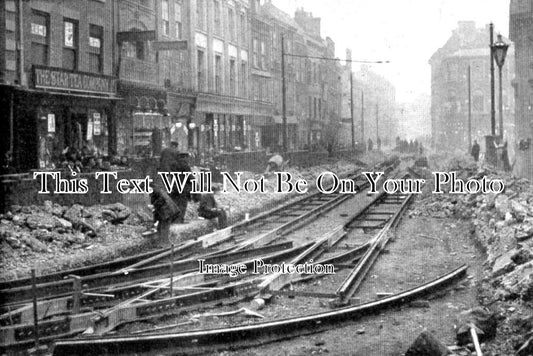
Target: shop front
(273,133)
(65,115)
(223,125)
(143,121)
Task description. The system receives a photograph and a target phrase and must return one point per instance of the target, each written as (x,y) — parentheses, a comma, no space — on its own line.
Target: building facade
(468,47)
(521,30)
(126,77)
(58,80)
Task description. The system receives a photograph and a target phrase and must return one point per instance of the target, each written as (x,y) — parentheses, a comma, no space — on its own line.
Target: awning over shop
(291,120)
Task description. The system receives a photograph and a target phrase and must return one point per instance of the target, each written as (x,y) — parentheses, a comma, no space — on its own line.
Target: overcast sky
(406,32)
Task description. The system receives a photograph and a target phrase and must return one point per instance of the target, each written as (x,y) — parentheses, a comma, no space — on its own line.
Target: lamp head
(499,51)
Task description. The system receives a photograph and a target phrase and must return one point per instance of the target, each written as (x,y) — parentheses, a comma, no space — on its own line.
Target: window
(218,74)
(218,22)
(96,35)
(70,44)
(255,58)
(244,89)
(263,55)
(232,86)
(40,25)
(231,24)
(478,101)
(134,50)
(201,70)
(165,17)
(314,107)
(243,28)
(200,13)
(177,18)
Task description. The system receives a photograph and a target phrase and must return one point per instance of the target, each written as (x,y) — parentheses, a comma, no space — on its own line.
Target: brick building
(468,46)
(129,76)
(521,28)
(58,81)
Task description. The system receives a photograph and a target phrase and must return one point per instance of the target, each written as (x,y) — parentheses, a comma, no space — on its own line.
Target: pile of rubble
(52,236)
(502,224)
(29,234)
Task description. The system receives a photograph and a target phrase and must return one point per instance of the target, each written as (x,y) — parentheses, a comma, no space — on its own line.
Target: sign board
(135,36)
(97,125)
(51,123)
(169,45)
(89,130)
(61,79)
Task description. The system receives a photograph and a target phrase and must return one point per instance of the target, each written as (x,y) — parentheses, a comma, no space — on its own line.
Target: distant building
(374,106)
(467,46)
(521,30)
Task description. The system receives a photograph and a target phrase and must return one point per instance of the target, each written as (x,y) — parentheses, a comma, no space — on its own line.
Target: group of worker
(170,207)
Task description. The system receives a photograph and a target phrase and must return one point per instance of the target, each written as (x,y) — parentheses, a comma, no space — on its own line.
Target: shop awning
(291,120)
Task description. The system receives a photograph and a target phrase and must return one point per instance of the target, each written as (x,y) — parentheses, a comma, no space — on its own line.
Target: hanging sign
(97,126)
(89,130)
(51,123)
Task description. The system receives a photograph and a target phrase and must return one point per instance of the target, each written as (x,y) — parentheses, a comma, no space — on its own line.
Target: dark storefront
(63,110)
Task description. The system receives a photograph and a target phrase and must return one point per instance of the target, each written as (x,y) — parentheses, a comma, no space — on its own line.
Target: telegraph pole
(283,94)
(351,109)
(377,123)
(492,99)
(469,108)
(363,118)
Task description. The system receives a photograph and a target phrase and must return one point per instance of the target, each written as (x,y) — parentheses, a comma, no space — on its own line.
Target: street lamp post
(499,51)
(469,73)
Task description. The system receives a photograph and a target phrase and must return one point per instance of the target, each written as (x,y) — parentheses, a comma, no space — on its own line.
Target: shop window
(70,44)
(40,29)
(218,74)
(177,18)
(96,35)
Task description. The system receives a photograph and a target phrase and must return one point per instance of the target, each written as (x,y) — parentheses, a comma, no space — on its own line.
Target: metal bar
(35,318)
(356,276)
(200,341)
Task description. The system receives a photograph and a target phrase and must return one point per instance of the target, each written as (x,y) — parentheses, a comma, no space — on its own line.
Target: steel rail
(131,261)
(202,341)
(52,289)
(21,334)
(63,305)
(357,275)
(55,327)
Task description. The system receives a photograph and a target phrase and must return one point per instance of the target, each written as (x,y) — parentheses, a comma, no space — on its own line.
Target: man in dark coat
(182,199)
(174,161)
(370,144)
(475,151)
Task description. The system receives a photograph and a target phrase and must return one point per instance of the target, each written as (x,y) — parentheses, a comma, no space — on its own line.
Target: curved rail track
(168,282)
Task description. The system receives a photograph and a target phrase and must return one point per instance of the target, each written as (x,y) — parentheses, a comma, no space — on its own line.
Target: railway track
(84,289)
(257,231)
(168,282)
